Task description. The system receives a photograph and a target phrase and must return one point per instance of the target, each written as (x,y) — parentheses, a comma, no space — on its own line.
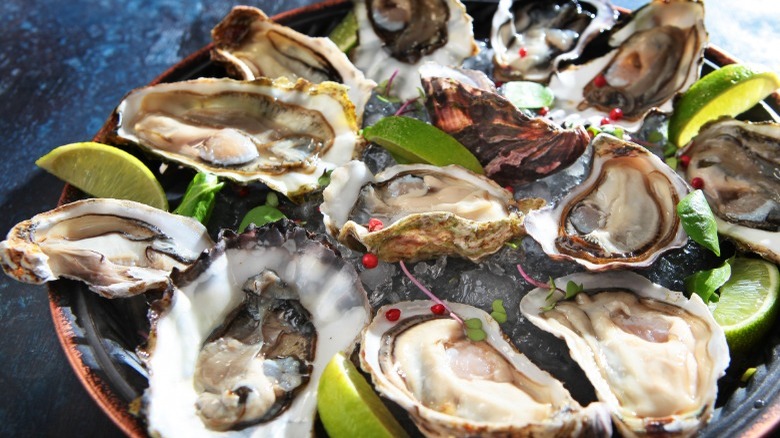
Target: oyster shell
(549,31)
(426,211)
(251,46)
(118,248)
(622,215)
(738,162)
(656,55)
(452,386)
(243,338)
(401,36)
(513,148)
(653,355)
(282,133)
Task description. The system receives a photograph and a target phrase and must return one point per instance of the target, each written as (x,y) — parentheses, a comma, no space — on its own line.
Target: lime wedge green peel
(104,171)
(525,94)
(345,34)
(728,91)
(348,407)
(413,141)
(748,302)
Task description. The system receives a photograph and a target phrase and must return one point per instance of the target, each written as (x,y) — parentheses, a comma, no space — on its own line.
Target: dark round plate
(99,336)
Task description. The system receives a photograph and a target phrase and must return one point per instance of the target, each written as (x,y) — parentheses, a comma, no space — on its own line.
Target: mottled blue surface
(64,66)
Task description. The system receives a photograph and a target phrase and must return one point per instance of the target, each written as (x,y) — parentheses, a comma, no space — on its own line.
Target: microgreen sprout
(472,327)
(572,289)
(499,313)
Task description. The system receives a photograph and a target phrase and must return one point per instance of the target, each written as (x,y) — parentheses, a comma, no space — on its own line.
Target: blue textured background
(64,66)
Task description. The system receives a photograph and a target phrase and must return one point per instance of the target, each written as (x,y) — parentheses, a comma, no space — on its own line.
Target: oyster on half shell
(401,36)
(739,163)
(452,386)
(656,54)
(653,355)
(548,32)
(622,215)
(240,342)
(119,248)
(251,45)
(426,211)
(282,133)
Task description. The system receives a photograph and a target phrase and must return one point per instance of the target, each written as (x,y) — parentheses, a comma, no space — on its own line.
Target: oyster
(285,134)
(118,248)
(548,32)
(653,355)
(452,386)
(513,148)
(426,211)
(622,215)
(251,46)
(739,164)
(401,36)
(243,338)
(656,55)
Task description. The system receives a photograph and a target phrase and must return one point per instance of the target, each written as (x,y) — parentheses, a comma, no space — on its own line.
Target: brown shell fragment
(514,149)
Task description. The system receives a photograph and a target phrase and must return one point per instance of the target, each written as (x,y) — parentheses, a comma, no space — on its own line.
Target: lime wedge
(348,406)
(345,34)
(413,141)
(748,302)
(524,94)
(728,91)
(105,172)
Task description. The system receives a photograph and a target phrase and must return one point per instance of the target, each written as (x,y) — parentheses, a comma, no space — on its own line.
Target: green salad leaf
(198,201)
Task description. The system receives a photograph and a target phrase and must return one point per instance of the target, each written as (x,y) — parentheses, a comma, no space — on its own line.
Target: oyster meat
(118,248)
(653,355)
(452,386)
(251,46)
(547,32)
(241,341)
(396,38)
(282,133)
(426,211)
(622,215)
(656,55)
(513,148)
(739,163)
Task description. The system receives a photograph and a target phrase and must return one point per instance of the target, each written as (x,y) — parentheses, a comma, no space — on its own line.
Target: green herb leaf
(272,199)
(498,306)
(572,289)
(324,180)
(670,150)
(705,283)
(199,197)
(698,221)
(671,162)
(500,317)
(476,335)
(747,375)
(260,216)
(473,323)
(655,137)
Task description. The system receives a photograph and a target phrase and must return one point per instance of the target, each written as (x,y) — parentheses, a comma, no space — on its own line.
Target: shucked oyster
(453,386)
(739,163)
(285,134)
(656,55)
(426,211)
(547,33)
(622,215)
(401,36)
(118,248)
(653,355)
(252,46)
(513,148)
(242,340)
